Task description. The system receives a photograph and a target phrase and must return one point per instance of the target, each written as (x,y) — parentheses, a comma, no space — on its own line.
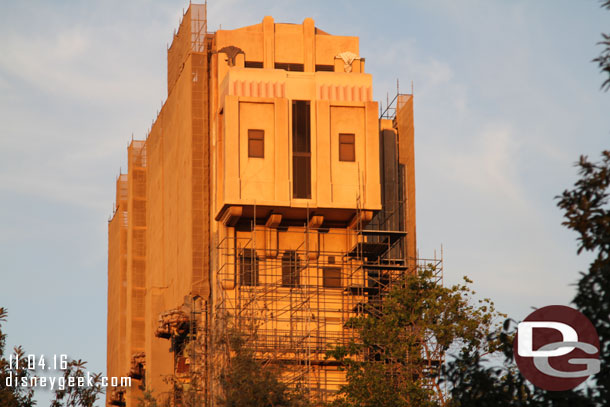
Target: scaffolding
(190,38)
(291,290)
(293,306)
(117,293)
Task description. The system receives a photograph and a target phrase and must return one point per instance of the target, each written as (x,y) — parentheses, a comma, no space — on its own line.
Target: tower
(269,196)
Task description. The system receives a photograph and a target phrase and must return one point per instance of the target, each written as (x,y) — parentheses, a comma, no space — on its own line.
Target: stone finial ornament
(231,52)
(348,58)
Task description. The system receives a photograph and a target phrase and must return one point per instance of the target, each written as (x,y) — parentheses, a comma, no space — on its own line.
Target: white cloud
(78,80)
(468,148)
(486,163)
(86,62)
(70,45)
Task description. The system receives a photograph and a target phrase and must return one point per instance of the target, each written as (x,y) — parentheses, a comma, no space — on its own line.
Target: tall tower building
(269,197)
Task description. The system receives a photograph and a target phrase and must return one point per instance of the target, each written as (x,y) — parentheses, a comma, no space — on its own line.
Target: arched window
(291,269)
(248,267)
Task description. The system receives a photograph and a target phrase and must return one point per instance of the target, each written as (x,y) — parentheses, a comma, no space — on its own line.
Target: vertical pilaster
(268,42)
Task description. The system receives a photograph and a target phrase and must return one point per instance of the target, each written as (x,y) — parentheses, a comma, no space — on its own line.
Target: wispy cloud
(502,109)
(486,164)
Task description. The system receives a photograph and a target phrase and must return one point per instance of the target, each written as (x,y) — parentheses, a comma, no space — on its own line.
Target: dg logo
(556,348)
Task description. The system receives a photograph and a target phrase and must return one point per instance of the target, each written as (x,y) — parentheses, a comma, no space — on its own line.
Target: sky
(506,100)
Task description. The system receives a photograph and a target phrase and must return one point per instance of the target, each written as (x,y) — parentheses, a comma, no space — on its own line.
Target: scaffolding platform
(393,235)
(359,290)
(295,302)
(370,251)
(368,267)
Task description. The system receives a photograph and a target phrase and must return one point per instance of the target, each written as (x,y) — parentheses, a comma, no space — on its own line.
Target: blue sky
(506,99)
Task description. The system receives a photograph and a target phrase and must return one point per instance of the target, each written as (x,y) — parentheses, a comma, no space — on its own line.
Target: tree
(148,399)
(473,382)
(13,395)
(14,372)
(246,383)
(78,395)
(587,211)
(603,60)
(391,362)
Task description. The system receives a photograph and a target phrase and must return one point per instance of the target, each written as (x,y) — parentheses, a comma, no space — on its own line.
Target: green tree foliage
(398,346)
(587,211)
(84,395)
(16,395)
(183,393)
(148,399)
(13,395)
(474,382)
(246,383)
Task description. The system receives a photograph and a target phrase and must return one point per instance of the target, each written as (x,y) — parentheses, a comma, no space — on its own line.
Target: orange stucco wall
(193,199)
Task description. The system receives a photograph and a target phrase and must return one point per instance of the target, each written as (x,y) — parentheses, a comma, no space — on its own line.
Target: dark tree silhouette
(78,396)
(473,382)
(587,211)
(388,363)
(13,395)
(603,60)
(246,383)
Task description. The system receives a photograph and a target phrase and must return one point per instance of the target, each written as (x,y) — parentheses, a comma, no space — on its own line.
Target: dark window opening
(291,269)
(290,67)
(331,277)
(182,365)
(248,267)
(347,147)
(301,167)
(325,68)
(256,143)
(253,64)
(301,149)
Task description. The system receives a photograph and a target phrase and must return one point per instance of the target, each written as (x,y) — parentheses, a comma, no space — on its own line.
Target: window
(331,277)
(256,143)
(347,148)
(248,267)
(182,365)
(290,67)
(301,150)
(325,68)
(291,269)
(253,64)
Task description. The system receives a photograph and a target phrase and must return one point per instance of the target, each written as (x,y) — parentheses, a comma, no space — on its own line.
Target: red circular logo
(556,348)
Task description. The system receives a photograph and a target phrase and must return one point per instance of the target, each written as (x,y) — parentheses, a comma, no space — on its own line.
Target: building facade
(269,197)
